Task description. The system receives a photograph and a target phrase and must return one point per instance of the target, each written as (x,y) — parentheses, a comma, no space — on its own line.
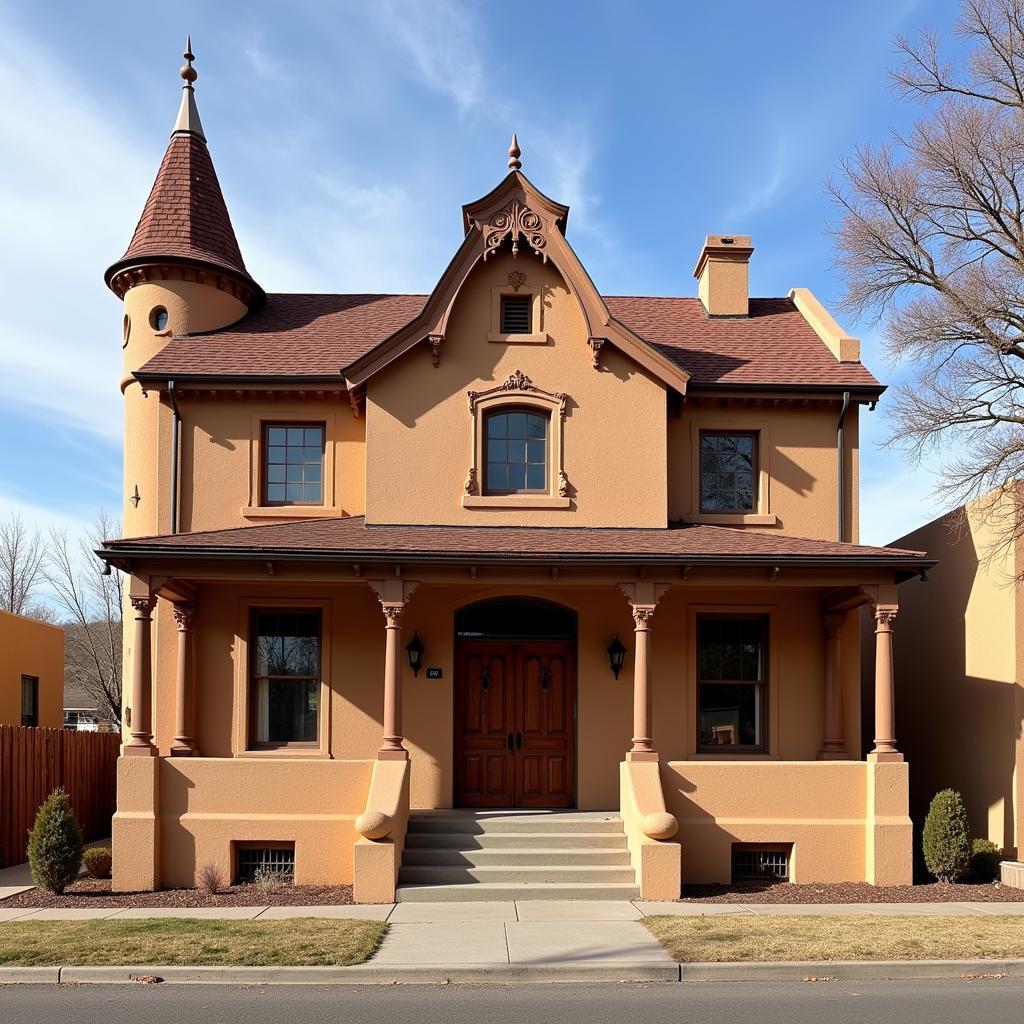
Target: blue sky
(347,135)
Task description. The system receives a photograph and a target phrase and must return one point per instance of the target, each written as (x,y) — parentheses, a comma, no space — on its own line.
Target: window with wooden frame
(732,683)
(30,701)
(516,314)
(516,451)
(293,464)
(284,673)
(728,471)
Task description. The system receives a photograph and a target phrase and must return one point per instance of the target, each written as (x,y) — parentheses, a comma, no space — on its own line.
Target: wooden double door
(515,724)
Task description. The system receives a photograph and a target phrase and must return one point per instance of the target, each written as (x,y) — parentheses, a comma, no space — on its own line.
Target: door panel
(525,691)
(483,714)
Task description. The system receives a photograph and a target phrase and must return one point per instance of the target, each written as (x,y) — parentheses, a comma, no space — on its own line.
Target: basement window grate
(252,858)
(760,862)
(516,314)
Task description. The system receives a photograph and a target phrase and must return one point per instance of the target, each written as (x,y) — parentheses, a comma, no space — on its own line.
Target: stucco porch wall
(206,804)
(819,807)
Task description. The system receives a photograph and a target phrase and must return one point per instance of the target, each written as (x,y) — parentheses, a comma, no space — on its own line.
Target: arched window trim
(518,392)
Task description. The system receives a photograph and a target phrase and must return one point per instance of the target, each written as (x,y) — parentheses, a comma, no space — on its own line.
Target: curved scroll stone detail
(515,220)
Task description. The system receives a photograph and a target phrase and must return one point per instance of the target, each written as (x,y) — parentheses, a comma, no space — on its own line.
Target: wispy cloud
(441,39)
(763,188)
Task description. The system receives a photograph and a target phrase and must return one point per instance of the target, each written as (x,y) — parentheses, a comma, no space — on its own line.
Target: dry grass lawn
(302,942)
(767,937)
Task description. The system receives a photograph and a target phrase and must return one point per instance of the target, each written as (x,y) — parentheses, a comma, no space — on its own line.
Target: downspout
(175,430)
(840,468)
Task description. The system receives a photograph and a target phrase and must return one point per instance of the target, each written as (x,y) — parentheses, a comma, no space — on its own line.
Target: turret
(182,273)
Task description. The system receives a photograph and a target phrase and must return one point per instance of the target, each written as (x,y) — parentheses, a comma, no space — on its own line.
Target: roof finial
(188,72)
(514,153)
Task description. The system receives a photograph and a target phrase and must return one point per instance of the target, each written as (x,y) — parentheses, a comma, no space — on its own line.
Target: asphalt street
(994,1001)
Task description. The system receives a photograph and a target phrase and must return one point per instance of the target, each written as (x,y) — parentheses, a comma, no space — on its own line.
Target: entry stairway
(515,855)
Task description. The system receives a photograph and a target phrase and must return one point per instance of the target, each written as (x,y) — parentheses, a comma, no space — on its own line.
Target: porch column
(183,745)
(394,595)
(643,599)
(885,728)
(834,745)
(141,743)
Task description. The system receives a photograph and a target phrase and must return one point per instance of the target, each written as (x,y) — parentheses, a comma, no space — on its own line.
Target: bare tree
(22,558)
(932,243)
(92,604)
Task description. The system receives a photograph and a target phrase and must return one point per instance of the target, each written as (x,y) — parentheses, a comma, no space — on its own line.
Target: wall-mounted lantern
(616,655)
(414,648)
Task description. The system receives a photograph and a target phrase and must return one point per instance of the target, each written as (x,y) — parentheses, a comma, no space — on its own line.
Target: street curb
(506,974)
(373,974)
(851,970)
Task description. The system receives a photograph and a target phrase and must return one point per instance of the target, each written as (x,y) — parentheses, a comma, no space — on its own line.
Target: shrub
(272,880)
(55,844)
(985,858)
(210,878)
(98,861)
(946,841)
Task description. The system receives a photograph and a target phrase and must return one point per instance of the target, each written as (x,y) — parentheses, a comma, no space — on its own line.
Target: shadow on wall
(956,730)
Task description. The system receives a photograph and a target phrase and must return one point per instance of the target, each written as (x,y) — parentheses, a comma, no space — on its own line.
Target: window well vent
(761,862)
(254,857)
(516,314)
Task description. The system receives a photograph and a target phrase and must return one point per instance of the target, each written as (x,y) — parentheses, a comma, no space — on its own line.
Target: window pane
(730,715)
(311,492)
(312,454)
(275,474)
(301,450)
(517,424)
(291,711)
(497,425)
(535,478)
(730,649)
(537,426)
(276,435)
(275,492)
(516,451)
(514,441)
(727,481)
(314,436)
(516,476)
(293,492)
(277,455)
(497,450)
(497,476)
(535,451)
(295,435)
(313,473)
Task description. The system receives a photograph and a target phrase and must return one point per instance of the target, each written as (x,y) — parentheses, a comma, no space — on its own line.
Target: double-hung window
(731,682)
(293,464)
(728,471)
(285,667)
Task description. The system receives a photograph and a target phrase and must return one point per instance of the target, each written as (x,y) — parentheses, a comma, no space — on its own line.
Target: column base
(387,754)
(641,755)
(877,756)
(183,749)
(833,755)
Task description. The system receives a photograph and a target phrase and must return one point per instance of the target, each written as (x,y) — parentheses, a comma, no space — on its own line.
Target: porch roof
(350,538)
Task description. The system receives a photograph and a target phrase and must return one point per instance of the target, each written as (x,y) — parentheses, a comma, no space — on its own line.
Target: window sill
(514,501)
(313,753)
(517,339)
(290,512)
(732,519)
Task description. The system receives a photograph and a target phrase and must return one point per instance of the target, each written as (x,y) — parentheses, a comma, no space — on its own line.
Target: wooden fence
(35,762)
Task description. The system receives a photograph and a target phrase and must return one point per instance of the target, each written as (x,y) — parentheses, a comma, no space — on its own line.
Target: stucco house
(31,672)
(961,666)
(515,588)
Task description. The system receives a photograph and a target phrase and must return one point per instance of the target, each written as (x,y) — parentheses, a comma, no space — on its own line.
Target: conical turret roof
(185,219)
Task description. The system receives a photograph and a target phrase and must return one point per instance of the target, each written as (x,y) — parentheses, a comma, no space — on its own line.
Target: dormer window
(517,314)
(516,444)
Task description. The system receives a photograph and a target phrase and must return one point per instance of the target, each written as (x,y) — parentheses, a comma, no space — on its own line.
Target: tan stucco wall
(31,648)
(959,685)
(419,426)
(797,454)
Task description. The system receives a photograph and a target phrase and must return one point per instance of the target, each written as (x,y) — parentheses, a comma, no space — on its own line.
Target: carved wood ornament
(514,220)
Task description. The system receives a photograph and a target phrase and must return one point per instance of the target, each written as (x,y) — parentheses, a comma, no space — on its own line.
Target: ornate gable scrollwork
(519,381)
(514,220)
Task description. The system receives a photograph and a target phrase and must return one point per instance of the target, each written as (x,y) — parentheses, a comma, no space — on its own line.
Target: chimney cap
(731,247)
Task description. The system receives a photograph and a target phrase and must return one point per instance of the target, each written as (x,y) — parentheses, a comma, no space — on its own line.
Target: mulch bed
(95,894)
(852,892)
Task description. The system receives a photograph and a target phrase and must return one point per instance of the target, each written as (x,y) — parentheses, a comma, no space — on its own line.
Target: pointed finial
(188,72)
(514,153)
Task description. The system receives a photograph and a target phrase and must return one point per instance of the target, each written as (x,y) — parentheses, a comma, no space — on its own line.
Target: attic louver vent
(516,314)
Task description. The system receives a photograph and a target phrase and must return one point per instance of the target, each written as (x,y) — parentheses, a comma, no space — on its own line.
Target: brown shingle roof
(185,216)
(351,537)
(318,335)
(773,345)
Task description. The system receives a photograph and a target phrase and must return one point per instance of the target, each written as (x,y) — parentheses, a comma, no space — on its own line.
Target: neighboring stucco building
(513,544)
(31,672)
(960,662)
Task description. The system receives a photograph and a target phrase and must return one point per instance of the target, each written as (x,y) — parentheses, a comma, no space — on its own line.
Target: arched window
(516,446)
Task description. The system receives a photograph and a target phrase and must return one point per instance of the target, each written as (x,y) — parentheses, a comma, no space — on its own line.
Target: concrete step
(477,891)
(597,874)
(478,823)
(515,840)
(522,857)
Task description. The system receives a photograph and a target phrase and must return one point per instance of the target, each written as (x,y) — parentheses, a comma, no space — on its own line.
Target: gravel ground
(852,892)
(91,892)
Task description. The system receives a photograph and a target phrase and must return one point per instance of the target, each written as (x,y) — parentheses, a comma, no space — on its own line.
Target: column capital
(143,605)
(885,616)
(184,614)
(393,613)
(834,622)
(643,614)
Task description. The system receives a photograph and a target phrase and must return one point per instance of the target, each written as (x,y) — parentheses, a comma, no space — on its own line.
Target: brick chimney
(721,272)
